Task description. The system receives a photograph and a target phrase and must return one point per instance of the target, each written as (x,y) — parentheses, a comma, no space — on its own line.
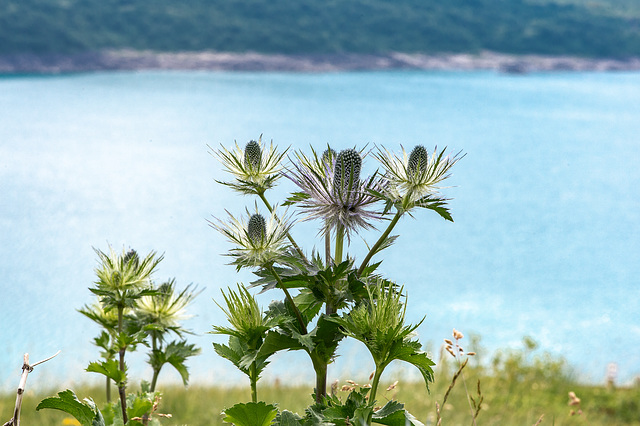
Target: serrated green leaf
(287,418)
(250,414)
(138,406)
(85,411)
(109,368)
(410,352)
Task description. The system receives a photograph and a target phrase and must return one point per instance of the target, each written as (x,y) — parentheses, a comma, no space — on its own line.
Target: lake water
(546,239)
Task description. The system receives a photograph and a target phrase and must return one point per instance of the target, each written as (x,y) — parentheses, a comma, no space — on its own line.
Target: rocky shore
(129,60)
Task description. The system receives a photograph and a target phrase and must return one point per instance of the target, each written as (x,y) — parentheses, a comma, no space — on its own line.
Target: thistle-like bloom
(414,180)
(259,242)
(166,309)
(256,168)
(332,191)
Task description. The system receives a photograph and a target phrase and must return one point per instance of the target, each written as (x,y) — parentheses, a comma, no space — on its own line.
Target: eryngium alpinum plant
(331,297)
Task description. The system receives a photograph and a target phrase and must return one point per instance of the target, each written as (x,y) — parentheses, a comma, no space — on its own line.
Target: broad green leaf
(250,414)
(85,412)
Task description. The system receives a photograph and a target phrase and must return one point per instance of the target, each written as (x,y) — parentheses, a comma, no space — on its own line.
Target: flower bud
(328,155)
(131,256)
(257,228)
(252,156)
(347,170)
(418,161)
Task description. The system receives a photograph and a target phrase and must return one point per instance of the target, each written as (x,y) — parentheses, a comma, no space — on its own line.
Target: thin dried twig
(26,369)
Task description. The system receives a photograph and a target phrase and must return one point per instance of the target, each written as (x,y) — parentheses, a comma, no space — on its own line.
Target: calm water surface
(546,239)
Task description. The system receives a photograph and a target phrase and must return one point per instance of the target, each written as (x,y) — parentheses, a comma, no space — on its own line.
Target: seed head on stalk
(256,168)
(414,180)
(258,241)
(332,191)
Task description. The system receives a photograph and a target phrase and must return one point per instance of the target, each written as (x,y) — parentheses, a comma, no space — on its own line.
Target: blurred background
(101,145)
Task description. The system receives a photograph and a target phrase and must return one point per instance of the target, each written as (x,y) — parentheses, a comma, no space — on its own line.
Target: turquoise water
(545,243)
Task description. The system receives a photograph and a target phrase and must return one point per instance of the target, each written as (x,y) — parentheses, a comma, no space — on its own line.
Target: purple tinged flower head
(332,191)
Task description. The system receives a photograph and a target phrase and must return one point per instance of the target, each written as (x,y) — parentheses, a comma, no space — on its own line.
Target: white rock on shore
(221,61)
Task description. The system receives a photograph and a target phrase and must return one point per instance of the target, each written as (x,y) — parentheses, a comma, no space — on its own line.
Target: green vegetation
(595,28)
(518,387)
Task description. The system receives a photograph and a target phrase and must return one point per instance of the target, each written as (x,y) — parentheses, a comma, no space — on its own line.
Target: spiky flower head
(259,242)
(333,192)
(165,309)
(248,322)
(252,156)
(257,227)
(256,168)
(414,180)
(346,171)
(418,160)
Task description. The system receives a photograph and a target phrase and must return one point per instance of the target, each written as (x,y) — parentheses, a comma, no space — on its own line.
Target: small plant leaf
(84,411)
(109,368)
(409,351)
(394,414)
(250,414)
(287,418)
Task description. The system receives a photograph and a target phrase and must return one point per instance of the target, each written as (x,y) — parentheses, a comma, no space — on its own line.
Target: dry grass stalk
(26,369)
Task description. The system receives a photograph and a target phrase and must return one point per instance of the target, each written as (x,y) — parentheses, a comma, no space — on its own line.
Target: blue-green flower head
(346,172)
(255,168)
(418,161)
(253,156)
(257,227)
(258,241)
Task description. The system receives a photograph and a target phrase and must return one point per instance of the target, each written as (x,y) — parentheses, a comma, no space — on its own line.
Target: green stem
(374,387)
(339,244)
(320,368)
(380,241)
(254,382)
(156,368)
(108,389)
(327,248)
(303,327)
(293,243)
(121,352)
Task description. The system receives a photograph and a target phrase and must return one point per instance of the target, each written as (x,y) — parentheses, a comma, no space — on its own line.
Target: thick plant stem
(121,352)
(291,240)
(320,368)
(108,389)
(378,243)
(303,327)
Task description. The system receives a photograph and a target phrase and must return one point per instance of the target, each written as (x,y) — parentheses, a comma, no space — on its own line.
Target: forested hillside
(595,28)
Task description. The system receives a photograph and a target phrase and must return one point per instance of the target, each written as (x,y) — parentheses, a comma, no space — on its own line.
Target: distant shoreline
(130,60)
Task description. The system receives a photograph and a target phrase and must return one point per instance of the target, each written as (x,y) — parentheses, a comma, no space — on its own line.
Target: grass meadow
(517,387)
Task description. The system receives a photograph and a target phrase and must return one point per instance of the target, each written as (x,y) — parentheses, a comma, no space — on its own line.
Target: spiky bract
(251,250)
(334,193)
(255,168)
